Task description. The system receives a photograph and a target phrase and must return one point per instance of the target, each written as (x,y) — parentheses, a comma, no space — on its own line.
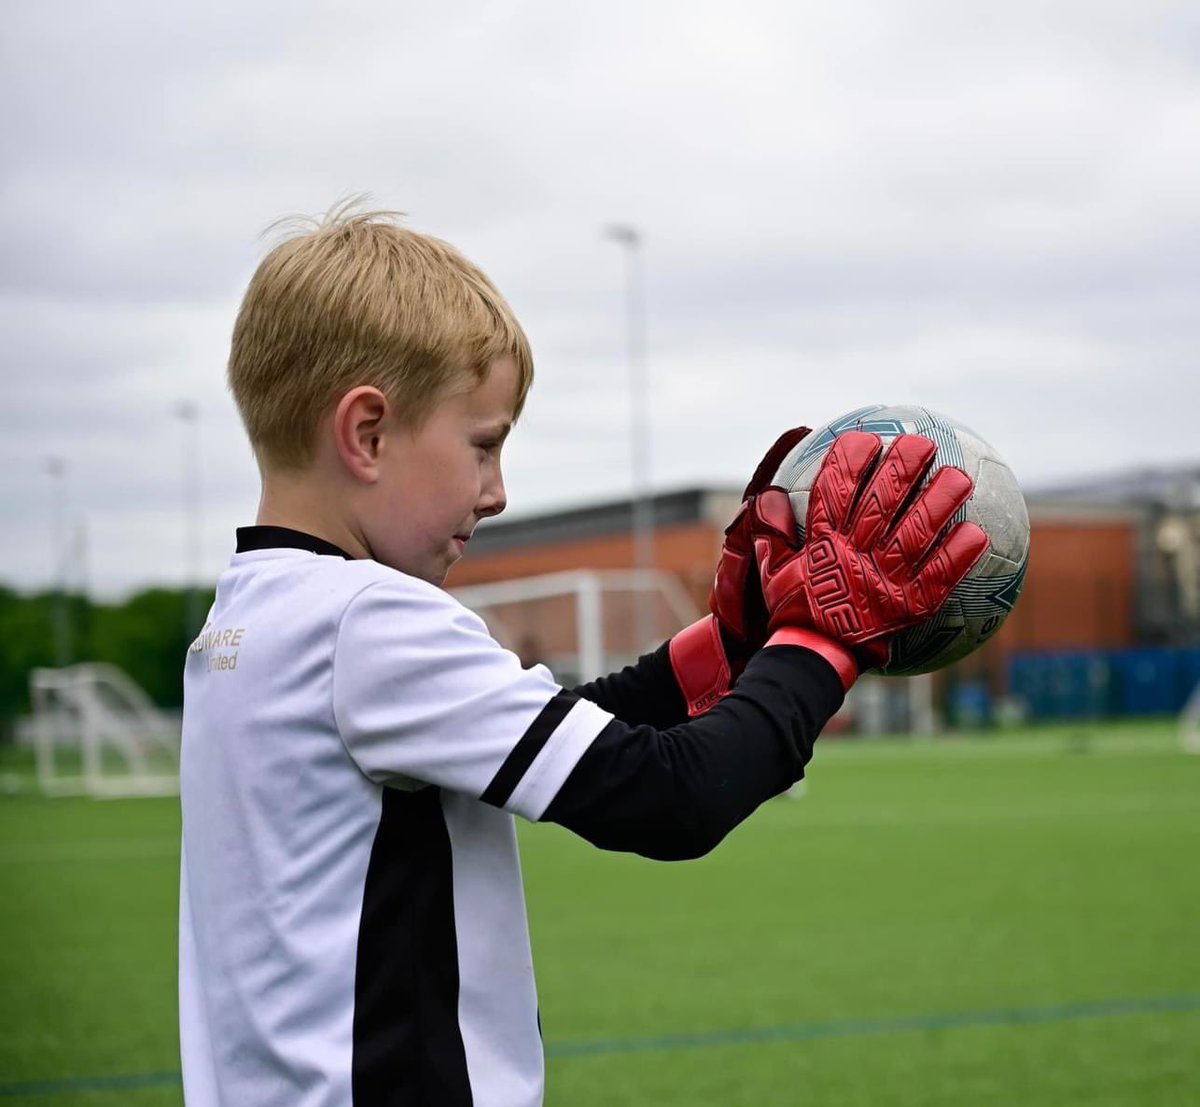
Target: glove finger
(773,531)
(962,550)
(773,517)
(736,583)
(738,533)
(846,466)
(951,562)
(769,466)
(899,472)
(917,532)
(726,599)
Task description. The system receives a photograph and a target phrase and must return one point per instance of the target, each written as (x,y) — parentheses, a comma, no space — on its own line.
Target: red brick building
(1080,589)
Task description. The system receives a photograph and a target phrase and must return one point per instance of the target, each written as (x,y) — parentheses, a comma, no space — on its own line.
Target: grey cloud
(990,210)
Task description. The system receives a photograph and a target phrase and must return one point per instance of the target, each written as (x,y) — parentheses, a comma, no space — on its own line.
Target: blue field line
(801,1032)
(853,1028)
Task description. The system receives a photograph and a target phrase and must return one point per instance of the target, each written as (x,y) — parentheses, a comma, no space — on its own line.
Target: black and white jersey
(355,744)
(352,922)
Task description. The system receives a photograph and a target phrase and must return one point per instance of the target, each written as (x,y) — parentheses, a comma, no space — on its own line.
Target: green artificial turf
(932,923)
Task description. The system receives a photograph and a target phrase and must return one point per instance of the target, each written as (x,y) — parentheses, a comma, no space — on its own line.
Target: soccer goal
(97,733)
(1189,723)
(582,623)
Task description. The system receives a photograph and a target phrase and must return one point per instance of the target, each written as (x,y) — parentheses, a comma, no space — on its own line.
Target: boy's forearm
(645,693)
(674,793)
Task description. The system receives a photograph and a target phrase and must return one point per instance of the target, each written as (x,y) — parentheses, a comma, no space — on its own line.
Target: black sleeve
(674,794)
(643,693)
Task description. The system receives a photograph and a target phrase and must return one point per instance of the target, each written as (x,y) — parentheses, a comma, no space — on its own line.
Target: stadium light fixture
(56,469)
(189,414)
(630,239)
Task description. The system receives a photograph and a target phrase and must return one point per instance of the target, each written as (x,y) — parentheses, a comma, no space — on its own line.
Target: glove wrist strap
(830,649)
(700,665)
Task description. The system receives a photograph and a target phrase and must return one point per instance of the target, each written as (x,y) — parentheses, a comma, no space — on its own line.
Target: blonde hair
(355,298)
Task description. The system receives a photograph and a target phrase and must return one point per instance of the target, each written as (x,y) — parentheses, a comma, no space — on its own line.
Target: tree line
(146,634)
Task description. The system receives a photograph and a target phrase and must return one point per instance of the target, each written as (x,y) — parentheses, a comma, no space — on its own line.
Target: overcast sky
(989,209)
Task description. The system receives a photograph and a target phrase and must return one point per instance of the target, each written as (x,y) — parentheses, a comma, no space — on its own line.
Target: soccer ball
(975,609)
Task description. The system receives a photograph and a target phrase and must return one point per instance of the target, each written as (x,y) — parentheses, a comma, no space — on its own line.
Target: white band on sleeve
(557,758)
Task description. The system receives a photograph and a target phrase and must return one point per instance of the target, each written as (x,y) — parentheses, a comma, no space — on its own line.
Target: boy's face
(440,479)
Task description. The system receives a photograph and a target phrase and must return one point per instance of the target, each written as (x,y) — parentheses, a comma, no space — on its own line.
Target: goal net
(97,733)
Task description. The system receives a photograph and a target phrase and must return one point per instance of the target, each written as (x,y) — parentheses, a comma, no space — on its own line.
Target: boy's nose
(494,500)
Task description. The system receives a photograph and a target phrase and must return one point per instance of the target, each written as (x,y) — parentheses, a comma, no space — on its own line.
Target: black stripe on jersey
(408,1047)
(530,745)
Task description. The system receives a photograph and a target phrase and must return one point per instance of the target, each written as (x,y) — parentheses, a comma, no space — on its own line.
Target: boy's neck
(302,505)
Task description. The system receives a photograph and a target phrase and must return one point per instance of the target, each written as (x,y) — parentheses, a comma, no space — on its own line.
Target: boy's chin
(431,566)
(431,573)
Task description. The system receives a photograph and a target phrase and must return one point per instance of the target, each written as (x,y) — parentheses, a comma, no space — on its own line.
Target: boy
(352,923)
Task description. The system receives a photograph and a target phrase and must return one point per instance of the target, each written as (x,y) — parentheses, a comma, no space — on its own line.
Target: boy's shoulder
(315,587)
(289,602)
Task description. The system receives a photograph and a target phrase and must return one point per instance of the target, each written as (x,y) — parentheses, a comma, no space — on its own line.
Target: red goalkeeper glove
(709,655)
(874,560)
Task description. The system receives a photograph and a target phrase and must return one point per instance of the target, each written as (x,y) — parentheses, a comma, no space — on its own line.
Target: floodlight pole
(189,415)
(56,468)
(639,422)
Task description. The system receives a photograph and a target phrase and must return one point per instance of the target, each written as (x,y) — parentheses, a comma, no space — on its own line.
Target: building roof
(1174,486)
(572,524)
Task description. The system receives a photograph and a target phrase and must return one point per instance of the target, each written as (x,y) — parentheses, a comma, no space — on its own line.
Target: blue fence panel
(1081,684)
(1062,685)
(1145,681)
(1189,673)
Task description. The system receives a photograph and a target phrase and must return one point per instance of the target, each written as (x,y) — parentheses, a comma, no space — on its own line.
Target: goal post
(878,706)
(97,733)
(1189,723)
(582,623)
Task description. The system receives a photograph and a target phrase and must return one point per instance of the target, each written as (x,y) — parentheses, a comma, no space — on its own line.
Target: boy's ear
(358,425)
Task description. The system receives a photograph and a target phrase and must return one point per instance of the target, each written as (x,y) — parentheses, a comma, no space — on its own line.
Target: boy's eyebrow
(500,428)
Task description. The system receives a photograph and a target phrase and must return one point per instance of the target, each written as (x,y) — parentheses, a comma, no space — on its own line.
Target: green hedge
(147,635)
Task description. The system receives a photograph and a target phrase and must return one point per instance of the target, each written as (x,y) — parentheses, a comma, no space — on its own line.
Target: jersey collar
(274,538)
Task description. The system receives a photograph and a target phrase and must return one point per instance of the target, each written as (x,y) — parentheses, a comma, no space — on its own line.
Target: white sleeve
(422,692)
